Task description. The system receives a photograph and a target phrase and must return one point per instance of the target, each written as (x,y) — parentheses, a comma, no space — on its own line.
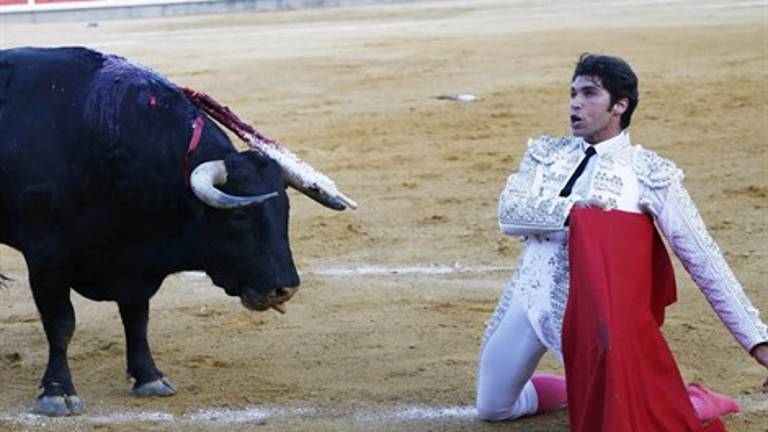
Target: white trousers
(507,361)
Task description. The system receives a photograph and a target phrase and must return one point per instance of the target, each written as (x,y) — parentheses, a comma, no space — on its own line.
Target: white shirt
(584,182)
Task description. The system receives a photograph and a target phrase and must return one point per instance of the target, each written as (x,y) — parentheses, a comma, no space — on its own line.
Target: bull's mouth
(257,301)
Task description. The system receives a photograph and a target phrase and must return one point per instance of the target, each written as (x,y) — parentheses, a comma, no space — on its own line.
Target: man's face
(592,116)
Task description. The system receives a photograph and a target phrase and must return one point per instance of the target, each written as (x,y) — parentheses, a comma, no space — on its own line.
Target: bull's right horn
(208,175)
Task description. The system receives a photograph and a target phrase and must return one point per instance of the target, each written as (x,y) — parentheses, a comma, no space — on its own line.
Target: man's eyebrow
(587,86)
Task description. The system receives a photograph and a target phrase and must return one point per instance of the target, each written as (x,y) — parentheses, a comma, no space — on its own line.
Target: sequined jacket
(627,177)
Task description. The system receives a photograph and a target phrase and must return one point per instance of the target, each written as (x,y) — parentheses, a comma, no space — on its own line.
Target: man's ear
(620,106)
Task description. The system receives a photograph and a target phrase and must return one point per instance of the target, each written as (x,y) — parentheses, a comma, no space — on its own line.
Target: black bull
(95,162)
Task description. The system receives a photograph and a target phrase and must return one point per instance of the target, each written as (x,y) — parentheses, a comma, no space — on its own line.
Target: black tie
(590,151)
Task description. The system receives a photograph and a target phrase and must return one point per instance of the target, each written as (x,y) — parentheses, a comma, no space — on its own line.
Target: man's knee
(490,414)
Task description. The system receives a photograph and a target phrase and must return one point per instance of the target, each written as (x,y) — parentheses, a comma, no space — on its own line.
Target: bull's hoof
(160,387)
(58,406)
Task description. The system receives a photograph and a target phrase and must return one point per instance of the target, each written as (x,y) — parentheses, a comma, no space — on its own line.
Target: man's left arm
(682,225)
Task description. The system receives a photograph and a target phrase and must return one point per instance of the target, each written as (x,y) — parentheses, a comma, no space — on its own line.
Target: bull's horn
(208,175)
(315,193)
(302,177)
(298,174)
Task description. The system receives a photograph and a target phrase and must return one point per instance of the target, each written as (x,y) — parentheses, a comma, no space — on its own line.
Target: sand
(385,331)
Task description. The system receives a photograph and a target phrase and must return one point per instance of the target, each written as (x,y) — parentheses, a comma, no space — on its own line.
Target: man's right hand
(592,203)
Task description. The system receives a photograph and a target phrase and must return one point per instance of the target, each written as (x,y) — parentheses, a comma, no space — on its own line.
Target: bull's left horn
(316,193)
(208,175)
(302,177)
(297,173)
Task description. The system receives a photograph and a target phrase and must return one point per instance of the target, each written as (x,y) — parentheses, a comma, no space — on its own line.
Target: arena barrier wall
(97,10)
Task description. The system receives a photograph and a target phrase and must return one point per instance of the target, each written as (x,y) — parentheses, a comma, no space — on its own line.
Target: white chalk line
(412,413)
(431,269)
(435,269)
(416,413)
(216,416)
(753,404)
(209,415)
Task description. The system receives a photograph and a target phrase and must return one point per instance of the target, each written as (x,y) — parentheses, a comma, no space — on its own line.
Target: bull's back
(42,94)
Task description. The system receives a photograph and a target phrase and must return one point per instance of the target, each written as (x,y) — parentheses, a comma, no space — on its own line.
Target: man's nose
(575,103)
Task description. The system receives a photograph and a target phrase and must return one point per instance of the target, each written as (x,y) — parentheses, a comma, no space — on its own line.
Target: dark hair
(616,76)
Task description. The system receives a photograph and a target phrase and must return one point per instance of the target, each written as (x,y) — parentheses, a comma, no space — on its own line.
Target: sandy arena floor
(353,91)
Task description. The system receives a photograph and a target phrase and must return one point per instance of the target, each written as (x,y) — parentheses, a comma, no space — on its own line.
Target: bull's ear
(239,167)
(264,166)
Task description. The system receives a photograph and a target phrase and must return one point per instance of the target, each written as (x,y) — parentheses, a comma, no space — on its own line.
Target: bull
(110,180)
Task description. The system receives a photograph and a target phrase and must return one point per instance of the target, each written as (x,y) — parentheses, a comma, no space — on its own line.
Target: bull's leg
(149,380)
(59,397)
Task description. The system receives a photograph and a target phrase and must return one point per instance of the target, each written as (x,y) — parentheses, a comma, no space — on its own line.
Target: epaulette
(545,148)
(653,170)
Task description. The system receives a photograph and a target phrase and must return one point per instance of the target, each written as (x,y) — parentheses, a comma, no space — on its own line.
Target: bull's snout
(257,301)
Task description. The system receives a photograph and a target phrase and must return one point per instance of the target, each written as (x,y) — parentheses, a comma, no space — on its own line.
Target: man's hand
(760,353)
(592,203)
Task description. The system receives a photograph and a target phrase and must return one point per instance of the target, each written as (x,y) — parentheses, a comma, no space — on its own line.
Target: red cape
(620,373)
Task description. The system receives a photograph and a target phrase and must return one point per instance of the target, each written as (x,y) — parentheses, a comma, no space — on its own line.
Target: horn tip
(347,201)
